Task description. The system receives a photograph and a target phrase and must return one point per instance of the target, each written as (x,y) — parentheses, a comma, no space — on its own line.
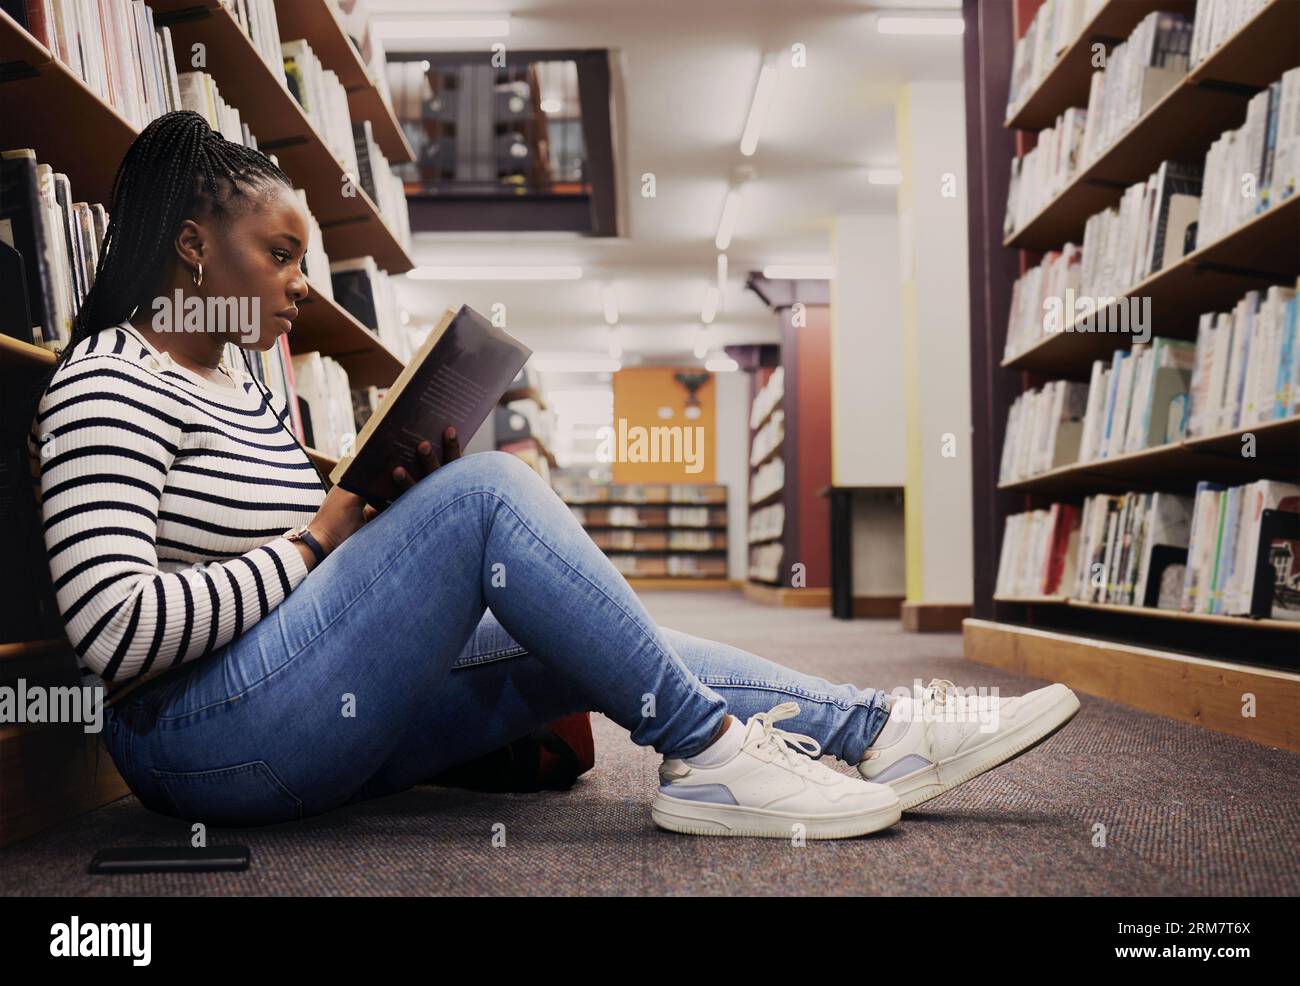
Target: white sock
(723,749)
(896,725)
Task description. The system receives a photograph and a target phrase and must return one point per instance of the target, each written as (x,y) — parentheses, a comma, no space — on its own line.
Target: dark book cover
(456,378)
(356,294)
(363,140)
(22,226)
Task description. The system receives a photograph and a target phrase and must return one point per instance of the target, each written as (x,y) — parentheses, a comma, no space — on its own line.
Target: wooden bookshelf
(649,501)
(50,773)
(351,225)
(1179,127)
(316,21)
(1150,612)
(1095,647)
(1253,256)
(1178,465)
(1066,82)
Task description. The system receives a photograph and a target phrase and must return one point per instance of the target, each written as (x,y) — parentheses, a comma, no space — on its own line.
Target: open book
(456,378)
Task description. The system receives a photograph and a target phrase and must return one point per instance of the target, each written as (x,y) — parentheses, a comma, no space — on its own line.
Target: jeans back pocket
(242,794)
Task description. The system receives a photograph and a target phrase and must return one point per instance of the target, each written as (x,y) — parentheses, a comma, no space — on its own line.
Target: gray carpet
(1185,811)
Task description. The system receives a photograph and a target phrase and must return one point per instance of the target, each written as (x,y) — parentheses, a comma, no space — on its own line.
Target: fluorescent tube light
(764,90)
(721,364)
(727,221)
(710,309)
(609,300)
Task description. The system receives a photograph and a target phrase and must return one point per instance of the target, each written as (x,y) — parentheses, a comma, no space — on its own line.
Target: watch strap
(309,539)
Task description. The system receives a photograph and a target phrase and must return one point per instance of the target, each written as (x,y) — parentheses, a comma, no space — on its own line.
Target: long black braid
(176,169)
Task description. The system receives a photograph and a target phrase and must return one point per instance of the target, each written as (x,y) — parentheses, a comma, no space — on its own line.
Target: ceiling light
(610,302)
(920,25)
(702,343)
(764,90)
(721,364)
(710,309)
(798,272)
(727,221)
(551,105)
(884,176)
(557,273)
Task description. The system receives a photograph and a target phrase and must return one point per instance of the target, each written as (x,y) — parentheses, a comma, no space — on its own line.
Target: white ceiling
(686,71)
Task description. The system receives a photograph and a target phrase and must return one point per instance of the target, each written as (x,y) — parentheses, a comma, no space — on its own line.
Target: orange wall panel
(639,393)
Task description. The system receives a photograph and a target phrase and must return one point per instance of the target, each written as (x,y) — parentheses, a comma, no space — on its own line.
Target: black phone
(169,859)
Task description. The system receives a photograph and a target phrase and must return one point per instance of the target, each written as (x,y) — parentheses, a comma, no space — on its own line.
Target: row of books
(1151,229)
(1245,172)
(767,479)
(1249,169)
(1048,283)
(765,561)
(575,491)
(767,397)
(1247,369)
(49,255)
(670,566)
(1243,370)
(49,249)
(1196,554)
(767,523)
(1055,25)
(632,540)
(627,516)
(1218,20)
(368,293)
(113,47)
(116,49)
(1138,73)
(768,437)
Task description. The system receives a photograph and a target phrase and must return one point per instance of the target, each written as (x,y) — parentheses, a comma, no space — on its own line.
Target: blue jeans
(472,610)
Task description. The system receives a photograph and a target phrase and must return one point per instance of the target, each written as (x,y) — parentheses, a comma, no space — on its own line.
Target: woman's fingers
(428,458)
(450,444)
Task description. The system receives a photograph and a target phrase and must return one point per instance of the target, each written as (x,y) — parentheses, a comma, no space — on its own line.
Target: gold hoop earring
(198,276)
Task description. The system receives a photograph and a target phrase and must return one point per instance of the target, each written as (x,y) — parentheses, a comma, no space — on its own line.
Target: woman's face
(255,258)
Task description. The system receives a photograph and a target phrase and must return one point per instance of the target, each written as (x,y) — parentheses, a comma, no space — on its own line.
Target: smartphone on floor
(169,859)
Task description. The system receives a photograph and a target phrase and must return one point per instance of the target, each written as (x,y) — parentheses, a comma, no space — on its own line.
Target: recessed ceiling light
(764,90)
(727,221)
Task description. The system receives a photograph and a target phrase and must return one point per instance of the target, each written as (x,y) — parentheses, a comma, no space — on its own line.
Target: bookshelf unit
(50,772)
(1193,666)
(648,529)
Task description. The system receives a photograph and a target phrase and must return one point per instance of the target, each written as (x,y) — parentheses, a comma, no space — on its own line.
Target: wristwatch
(306,537)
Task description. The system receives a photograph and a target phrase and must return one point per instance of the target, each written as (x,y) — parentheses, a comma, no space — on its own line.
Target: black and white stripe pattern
(165,500)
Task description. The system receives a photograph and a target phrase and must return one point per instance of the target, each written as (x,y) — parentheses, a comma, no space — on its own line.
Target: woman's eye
(281,255)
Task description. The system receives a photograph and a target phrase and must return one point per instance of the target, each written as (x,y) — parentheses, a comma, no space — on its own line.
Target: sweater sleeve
(107,433)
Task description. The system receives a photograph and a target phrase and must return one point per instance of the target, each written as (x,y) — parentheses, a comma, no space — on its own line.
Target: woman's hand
(427,461)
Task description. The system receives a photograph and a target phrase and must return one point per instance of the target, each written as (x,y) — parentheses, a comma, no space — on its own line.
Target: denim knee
(492,471)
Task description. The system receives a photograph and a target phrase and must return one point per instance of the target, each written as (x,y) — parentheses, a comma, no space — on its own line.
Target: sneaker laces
(782,741)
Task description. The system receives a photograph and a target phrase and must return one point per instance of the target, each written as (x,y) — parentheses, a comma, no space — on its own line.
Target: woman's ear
(190,244)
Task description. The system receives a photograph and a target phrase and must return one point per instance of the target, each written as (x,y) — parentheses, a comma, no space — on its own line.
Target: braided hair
(177,167)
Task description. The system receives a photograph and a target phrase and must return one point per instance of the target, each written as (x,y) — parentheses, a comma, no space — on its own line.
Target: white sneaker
(771,789)
(950,737)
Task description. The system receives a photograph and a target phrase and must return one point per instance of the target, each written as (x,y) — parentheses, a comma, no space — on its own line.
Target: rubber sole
(695,818)
(928,783)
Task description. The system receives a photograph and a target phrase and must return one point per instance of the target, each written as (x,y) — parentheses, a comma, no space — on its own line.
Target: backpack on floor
(550,758)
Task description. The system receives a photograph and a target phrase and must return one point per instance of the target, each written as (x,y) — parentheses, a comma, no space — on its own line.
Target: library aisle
(752,447)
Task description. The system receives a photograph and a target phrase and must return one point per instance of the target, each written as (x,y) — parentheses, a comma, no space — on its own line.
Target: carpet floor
(1184,811)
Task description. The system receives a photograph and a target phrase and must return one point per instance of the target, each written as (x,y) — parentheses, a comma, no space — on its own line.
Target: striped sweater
(165,498)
